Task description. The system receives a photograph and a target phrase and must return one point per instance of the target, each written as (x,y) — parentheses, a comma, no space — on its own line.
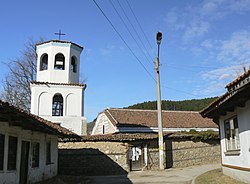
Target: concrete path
(168,176)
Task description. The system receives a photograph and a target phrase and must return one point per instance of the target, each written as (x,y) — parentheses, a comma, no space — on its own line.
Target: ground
(168,176)
(215,177)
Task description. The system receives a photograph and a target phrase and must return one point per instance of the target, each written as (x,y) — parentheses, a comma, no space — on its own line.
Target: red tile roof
(238,93)
(170,119)
(64,84)
(238,79)
(26,120)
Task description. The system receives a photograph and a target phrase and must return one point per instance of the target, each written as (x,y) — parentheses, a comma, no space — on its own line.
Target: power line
(134,30)
(134,53)
(123,40)
(139,25)
(180,91)
(128,30)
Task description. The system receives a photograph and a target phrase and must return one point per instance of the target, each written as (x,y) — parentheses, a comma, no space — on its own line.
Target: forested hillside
(184,105)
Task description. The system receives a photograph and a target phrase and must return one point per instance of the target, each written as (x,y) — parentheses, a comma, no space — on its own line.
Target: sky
(205,45)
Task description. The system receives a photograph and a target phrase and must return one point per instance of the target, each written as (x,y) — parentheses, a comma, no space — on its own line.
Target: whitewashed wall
(60,76)
(73,105)
(243,159)
(34,174)
(103,122)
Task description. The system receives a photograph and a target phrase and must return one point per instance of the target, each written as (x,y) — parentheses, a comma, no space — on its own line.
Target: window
(103,129)
(73,66)
(59,62)
(35,154)
(57,106)
(12,153)
(232,134)
(48,153)
(2,138)
(44,62)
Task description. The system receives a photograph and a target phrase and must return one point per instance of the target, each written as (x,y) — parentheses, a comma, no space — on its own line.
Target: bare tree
(22,70)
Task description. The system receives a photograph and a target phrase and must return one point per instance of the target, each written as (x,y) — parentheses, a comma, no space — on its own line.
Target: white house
(57,95)
(145,121)
(28,146)
(231,112)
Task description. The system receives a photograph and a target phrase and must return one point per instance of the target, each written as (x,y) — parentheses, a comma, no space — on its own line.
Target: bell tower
(57,95)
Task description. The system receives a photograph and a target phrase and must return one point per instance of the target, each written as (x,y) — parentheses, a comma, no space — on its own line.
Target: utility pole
(160,132)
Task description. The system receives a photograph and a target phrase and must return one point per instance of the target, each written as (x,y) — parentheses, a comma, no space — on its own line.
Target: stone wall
(93,158)
(108,158)
(188,153)
(183,153)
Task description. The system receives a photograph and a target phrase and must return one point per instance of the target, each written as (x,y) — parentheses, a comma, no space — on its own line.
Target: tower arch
(59,63)
(57,105)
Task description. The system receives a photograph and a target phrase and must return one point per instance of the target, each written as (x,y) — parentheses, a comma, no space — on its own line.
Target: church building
(57,94)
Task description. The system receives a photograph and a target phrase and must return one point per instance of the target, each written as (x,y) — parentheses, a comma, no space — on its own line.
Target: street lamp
(160,132)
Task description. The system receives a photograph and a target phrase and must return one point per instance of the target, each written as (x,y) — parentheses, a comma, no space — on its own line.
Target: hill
(184,105)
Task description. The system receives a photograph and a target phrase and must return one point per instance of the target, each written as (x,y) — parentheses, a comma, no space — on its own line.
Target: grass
(215,177)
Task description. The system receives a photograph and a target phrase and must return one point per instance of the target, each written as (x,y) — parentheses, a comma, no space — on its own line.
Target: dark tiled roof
(170,119)
(238,79)
(26,120)
(238,93)
(127,137)
(59,41)
(64,84)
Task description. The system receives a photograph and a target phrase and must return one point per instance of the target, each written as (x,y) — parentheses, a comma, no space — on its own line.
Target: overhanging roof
(21,118)
(237,95)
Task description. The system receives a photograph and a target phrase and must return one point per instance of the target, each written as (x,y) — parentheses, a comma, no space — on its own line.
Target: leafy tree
(22,70)
(184,105)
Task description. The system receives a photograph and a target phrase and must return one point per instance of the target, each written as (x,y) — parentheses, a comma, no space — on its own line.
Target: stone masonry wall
(109,158)
(185,153)
(93,158)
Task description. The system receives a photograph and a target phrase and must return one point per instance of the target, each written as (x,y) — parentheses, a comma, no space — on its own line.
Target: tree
(22,70)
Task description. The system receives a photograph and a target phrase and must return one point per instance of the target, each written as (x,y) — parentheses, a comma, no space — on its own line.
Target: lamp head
(159,37)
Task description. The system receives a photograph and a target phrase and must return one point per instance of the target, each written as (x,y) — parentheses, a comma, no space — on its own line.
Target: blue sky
(205,45)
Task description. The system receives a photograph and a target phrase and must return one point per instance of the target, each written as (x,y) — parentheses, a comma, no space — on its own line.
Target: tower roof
(59,41)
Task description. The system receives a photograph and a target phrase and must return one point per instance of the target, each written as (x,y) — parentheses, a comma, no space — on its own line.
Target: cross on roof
(59,34)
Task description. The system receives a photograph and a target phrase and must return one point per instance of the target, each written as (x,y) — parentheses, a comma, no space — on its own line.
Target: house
(231,112)
(28,146)
(134,120)
(57,94)
(125,140)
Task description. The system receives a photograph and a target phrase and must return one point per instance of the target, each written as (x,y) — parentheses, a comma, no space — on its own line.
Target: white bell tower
(57,95)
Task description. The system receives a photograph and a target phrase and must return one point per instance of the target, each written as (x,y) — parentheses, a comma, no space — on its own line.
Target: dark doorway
(24,162)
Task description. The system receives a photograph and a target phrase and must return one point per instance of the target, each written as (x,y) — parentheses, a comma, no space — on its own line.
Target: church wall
(42,96)
(74,77)
(36,174)
(59,76)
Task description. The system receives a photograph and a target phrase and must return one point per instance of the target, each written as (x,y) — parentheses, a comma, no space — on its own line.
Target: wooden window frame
(232,139)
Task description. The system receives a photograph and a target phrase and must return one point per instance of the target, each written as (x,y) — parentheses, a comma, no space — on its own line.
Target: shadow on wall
(88,162)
